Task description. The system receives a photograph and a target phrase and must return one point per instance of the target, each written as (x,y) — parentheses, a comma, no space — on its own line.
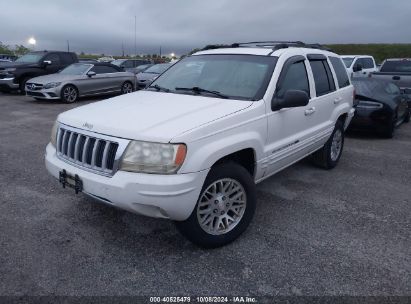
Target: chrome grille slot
(88,151)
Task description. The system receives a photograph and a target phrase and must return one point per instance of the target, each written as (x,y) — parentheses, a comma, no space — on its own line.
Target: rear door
(326,96)
(289,129)
(55,63)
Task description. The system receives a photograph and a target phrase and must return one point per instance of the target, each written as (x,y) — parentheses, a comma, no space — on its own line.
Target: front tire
(224,209)
(69,94)
(329,155)
(22,85)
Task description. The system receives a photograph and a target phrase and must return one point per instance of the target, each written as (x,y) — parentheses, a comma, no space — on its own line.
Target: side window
(103,69)
(340,71)
(54,58)
(128,64)
(66,58)
(367,63)
(295,79)
(324,81)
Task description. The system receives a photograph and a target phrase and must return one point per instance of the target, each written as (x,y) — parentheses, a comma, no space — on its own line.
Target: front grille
(87,151)
(34,86)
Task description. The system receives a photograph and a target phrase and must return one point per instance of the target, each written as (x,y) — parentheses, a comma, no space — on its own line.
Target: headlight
(369,104)
(53,138)
(154,158)
(52,85)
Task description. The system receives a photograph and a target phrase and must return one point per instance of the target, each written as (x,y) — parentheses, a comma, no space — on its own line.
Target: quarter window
(324,81)
(340,71)
(295,79)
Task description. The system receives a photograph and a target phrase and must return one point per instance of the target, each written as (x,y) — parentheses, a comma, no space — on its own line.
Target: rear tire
(224,209)
(127,88)
(69,94)
(329,155)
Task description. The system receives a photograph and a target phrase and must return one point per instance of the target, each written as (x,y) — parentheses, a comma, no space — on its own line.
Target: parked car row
(60,75)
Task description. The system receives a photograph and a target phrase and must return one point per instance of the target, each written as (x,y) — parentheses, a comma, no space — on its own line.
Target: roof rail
(273,45)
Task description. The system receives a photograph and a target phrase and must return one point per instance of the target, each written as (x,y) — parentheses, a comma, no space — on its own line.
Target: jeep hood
(150,116)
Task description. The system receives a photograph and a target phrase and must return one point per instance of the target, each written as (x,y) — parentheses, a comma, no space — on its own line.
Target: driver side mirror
(292,99)
(91,74)
(357,68)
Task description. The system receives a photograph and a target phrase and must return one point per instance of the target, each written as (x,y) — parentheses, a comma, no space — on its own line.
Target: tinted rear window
(324,82)
(340,71)
(399,66)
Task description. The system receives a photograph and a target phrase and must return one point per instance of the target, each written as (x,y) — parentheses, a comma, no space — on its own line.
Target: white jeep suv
(193,145)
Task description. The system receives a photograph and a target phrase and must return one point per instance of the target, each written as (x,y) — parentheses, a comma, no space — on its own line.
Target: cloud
(180,25)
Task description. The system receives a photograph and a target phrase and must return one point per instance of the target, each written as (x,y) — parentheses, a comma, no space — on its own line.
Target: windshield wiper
(200,90)
(158,88)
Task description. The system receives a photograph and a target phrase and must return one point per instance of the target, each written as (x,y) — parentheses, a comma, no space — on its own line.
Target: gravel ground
(315,232)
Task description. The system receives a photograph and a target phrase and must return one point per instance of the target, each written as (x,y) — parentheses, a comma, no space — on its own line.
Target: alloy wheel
(221,206)
(336,145)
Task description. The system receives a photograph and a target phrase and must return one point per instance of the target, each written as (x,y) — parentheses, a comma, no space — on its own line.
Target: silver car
(81,79)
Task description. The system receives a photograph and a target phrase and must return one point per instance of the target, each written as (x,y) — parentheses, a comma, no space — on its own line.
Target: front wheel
(127,88)
(329,155)
(224,209)
(69,94)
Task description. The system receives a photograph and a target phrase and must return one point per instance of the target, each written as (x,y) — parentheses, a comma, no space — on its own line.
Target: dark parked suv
(14,75)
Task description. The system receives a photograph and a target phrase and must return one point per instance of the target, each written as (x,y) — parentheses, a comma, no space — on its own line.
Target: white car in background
(359,65)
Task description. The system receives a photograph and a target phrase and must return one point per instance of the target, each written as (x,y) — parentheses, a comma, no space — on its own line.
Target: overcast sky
(101,26)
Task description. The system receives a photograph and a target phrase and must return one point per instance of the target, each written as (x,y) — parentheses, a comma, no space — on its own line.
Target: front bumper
(160,196)
(371,118)
(53,93)
(8,83)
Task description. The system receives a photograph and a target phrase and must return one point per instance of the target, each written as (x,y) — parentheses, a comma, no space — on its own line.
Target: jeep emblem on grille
(88,126)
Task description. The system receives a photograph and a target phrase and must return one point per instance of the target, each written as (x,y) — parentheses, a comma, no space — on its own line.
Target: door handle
(310,111)
(396,78)
(337,100)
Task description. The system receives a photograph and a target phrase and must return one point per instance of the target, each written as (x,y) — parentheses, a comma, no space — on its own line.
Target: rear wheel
(329,155)
(69,94)
(224,209)
(127,88)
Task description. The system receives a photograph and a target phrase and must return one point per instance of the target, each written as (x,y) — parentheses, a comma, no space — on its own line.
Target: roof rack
(273,45)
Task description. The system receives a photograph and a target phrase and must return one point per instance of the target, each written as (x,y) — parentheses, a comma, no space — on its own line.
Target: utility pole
(135,35)
(122,48)
(160,51)
(68,46)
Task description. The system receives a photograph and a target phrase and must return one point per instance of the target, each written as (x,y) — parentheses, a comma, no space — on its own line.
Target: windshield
(158,68)
(30,58)
(348,61)
(76,69)
(397,66)
(118,62)
(235,76)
